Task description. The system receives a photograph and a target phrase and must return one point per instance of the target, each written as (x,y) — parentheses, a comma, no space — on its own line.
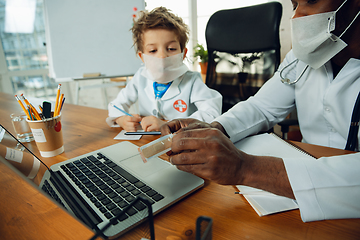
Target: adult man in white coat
(320,76)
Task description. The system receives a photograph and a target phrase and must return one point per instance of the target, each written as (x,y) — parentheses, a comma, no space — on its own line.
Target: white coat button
(154,112)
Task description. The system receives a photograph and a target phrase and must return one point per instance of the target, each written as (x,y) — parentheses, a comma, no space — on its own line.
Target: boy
(164,88)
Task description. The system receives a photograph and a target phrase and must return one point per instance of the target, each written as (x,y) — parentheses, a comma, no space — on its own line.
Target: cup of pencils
(48,135)
(46,126)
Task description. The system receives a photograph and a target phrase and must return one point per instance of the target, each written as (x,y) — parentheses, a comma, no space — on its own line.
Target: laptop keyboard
(108,186)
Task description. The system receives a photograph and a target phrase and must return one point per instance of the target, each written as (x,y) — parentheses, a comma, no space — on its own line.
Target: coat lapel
(174,89)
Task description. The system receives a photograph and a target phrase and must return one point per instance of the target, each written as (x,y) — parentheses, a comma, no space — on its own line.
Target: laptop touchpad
(136,165)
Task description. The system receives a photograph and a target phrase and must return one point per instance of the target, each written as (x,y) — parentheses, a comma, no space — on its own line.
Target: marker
(111,104)
(47,109)
(143,133)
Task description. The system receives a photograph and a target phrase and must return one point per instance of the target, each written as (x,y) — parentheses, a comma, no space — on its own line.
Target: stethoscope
(288,81)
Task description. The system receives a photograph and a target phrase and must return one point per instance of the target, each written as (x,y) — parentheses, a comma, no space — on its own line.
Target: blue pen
(111,104)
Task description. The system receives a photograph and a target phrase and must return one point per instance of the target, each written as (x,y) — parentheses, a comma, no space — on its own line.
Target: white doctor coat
(327,188)
(187,96)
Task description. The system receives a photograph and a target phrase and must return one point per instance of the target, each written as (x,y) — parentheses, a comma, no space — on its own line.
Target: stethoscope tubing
(287,80)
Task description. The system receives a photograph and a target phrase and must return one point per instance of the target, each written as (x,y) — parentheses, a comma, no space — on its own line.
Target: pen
(111,104)
(254,193)
(62,104)
(143,133)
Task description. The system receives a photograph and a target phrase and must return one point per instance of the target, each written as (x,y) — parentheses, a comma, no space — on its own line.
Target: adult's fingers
(195,125)
(194,139)
(175,125)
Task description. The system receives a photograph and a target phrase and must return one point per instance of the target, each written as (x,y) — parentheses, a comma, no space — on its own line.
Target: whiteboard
(90,36)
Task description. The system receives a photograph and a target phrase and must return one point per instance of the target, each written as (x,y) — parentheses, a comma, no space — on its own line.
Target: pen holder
(48,136)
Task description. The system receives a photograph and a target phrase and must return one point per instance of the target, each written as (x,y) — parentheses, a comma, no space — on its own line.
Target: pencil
(25,100)
(32,108)
(37,115)
(111,104)
(22,106)
(57,100)
(31,116)
(58,109)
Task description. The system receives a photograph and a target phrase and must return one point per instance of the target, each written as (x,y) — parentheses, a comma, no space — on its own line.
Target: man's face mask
(164,70)
(312,40)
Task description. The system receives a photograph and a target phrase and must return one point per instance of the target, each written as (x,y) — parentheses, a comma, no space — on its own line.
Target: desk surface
(27,214)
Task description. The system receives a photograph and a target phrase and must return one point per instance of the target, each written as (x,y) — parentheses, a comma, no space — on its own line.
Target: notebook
(268,144)
(97,186)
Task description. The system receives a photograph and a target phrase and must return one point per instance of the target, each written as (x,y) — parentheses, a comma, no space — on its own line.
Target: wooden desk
(27,214)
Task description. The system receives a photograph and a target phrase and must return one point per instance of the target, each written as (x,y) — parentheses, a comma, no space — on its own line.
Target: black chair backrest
(253,29)
(245,30)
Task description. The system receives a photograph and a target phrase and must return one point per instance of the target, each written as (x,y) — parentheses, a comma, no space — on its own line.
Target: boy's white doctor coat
(187,96)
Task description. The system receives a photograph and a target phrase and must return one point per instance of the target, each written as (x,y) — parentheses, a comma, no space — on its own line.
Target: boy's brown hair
(162,18)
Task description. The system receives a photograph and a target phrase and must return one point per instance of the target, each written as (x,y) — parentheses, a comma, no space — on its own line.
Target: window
(205,9)
(25,52)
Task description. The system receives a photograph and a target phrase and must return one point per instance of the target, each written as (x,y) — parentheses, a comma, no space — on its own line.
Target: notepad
(122,136)
(266,144)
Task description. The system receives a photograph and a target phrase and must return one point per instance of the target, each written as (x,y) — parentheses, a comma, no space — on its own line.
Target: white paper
(39,135)
(122,136)
(14,155)
(265,203)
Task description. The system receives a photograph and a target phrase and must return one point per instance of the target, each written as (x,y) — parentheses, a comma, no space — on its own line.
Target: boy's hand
(129,123)
(151,123)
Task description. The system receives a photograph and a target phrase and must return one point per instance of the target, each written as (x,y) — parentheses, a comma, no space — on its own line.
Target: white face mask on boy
(312,40)
(164,70)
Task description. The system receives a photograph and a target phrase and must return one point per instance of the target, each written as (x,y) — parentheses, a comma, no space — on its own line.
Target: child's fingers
(131,126)
(145,125)
(135,118)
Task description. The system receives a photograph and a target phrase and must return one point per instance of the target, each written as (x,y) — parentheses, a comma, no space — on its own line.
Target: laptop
(99,187)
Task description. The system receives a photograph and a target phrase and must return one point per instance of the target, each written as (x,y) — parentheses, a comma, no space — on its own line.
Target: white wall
(285,32)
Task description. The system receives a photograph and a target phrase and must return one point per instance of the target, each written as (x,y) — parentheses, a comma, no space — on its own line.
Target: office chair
(250,30)
(246,30)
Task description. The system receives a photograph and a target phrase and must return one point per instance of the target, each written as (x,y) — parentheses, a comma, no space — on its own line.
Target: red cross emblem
(180,105)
